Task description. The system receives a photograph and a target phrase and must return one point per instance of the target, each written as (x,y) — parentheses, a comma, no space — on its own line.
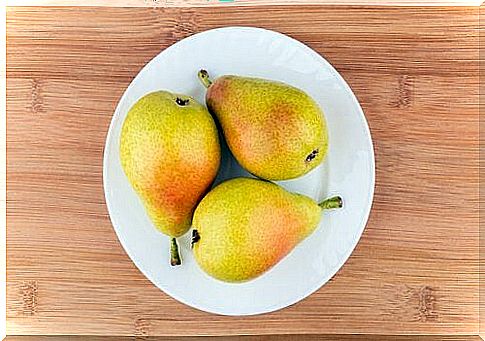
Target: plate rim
(370,197)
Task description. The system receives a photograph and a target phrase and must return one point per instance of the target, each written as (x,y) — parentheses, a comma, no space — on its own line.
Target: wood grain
(482,169)
(212,3)
(415,72)
(291,337)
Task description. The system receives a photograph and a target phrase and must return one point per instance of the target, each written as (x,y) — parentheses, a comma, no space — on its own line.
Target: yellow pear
(274,130)
(244,226)
(169,150)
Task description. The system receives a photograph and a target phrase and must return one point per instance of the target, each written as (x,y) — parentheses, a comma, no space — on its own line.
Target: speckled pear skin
(274,130)
(170,154)
(245,226)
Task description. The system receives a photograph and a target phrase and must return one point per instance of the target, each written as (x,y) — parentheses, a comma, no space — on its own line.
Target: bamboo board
(415,72)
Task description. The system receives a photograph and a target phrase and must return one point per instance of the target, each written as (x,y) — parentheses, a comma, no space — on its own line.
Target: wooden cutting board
(415,72)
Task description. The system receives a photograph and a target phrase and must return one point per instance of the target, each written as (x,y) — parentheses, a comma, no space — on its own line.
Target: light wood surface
(415,72)
(290,337)
(212,3)
(482,169)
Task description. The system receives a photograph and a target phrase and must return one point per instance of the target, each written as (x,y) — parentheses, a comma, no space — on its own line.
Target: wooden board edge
(481,108)
(3,179)
(286,337)
(210,3)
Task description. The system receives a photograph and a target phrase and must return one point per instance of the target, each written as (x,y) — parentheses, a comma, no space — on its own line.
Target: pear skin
(170,153)
(243,227)
(274,130)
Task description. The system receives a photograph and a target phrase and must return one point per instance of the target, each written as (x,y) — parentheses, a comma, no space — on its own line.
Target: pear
(274,130)
(170,153)
(244,226)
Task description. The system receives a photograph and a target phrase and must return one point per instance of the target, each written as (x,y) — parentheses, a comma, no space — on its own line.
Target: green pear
(170,153)
(244,226)
(274,130)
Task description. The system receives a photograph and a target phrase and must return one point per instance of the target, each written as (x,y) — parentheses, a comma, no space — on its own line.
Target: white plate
(348,170)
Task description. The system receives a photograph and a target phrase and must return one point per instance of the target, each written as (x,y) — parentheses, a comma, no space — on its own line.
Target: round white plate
(348,170)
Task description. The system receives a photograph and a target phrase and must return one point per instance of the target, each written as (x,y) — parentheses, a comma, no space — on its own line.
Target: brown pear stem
(174,253)
(204,78)
(333,202)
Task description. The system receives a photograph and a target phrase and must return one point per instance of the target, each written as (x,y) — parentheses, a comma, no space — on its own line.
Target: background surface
(415,72)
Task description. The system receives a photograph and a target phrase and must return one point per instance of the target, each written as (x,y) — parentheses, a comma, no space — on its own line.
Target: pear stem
(174,253)
(204,78)
(333,202)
